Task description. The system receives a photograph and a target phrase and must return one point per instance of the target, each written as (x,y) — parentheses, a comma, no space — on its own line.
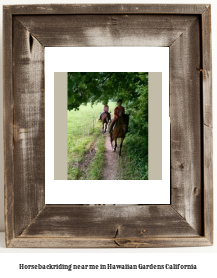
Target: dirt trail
(87,160)
(111,161)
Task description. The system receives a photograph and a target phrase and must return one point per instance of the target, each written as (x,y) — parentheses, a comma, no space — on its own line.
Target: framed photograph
(74,139)
(151,67)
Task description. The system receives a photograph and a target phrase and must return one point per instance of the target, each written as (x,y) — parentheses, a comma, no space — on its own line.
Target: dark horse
(119,131)
(105,118)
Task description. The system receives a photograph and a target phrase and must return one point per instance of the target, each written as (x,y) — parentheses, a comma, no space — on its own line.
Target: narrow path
(111,161)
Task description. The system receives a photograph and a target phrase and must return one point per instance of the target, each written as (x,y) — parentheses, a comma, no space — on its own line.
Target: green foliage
(135,158)
(95,87)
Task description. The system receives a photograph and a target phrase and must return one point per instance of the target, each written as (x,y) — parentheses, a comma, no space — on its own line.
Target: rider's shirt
(119,111)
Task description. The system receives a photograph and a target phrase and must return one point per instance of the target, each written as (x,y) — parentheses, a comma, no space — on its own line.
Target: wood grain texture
(207,66)
(29,223)
(185,113)
(109,222)
(207,123)
(107,30)
(29,132)
(106,9)
(208,182)
(8,125)
(34,242)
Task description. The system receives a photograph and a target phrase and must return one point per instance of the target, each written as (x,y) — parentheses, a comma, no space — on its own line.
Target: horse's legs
(115,144)
(111,139)
(122,139)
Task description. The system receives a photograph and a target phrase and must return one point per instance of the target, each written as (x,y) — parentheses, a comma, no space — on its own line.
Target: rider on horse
(106,109)
(119,111)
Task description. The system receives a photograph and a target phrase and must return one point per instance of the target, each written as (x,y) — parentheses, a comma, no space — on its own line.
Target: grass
(84,129)
(95,168)
(84,133)
(133,164)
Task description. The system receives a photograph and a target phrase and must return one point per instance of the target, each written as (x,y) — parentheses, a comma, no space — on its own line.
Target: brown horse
(119,131)
(105,118)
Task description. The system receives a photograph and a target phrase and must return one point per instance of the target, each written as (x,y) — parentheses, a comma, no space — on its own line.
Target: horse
(105,118)
(119,131)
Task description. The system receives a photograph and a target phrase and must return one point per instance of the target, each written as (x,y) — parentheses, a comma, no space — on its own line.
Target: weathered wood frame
(186,29)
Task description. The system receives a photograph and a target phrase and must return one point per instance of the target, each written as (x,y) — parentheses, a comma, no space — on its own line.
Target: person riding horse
(119,126)
(119,111)
(106,109)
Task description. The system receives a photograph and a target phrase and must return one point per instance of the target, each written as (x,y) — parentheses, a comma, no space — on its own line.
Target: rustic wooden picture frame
(186,30)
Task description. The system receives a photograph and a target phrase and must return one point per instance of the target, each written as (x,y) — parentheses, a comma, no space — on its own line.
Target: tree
(97,87)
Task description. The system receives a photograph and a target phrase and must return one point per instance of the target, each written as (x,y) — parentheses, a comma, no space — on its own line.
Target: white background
(106,59)
(204,257)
